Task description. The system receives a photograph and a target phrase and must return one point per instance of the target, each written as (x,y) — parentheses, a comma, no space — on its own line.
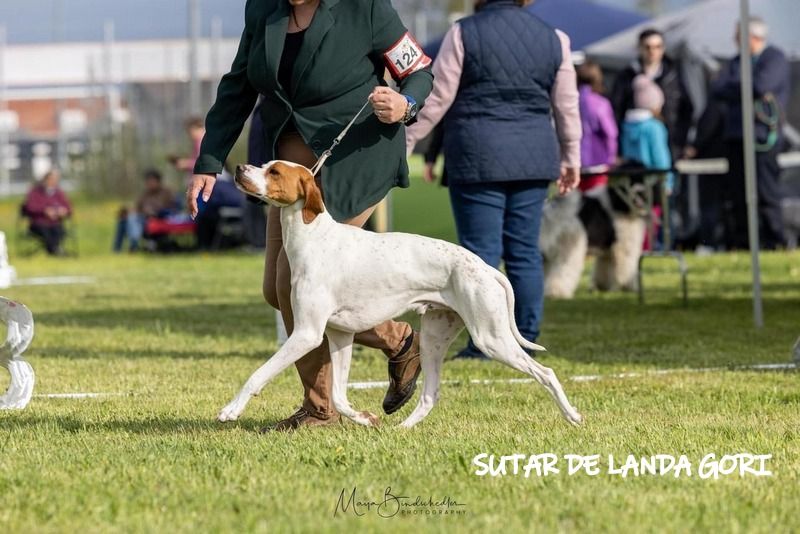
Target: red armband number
(405,57)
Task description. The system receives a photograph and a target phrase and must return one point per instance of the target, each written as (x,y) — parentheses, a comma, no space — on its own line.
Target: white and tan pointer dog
(347,280)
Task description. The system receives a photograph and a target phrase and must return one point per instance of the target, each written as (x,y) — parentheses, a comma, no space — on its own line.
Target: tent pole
(750,156)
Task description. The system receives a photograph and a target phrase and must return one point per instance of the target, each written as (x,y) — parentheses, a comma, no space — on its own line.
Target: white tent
(707,30)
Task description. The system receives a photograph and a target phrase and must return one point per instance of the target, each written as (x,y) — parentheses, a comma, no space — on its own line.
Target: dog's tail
(503,281)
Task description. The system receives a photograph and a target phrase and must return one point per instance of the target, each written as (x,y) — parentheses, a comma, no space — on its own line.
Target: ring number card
(405,56)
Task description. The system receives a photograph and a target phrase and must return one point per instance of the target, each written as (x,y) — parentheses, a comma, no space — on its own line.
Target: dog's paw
(368,419)
(232,411)
(575,418)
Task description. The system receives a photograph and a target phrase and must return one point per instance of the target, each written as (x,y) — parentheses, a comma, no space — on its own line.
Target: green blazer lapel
(320,25)
(277,24)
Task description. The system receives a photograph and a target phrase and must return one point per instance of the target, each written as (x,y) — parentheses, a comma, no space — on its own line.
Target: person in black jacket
(709,142)
(771,96)
(652,62)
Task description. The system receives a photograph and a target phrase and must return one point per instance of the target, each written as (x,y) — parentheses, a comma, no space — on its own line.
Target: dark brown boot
(301,418)
(404,370)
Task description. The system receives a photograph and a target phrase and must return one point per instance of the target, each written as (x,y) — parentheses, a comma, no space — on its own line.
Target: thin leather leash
(325,155)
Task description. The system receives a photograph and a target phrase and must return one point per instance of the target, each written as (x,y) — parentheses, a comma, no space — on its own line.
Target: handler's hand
(389,105)
(569,179)
(200,182)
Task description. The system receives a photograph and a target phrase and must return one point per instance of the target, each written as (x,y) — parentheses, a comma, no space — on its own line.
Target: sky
(37,21)
(43,21)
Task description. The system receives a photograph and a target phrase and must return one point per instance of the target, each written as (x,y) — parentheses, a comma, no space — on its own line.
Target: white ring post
(748,132)
(19,321)
(7,273)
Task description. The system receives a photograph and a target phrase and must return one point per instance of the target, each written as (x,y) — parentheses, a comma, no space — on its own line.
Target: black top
(291,48)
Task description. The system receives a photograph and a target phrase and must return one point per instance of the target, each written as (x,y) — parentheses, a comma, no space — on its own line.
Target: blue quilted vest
(499,128)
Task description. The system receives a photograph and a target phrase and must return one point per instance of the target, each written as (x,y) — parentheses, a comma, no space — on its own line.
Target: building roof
(71,64)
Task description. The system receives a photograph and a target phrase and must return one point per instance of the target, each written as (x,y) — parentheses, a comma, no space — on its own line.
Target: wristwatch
(411,110)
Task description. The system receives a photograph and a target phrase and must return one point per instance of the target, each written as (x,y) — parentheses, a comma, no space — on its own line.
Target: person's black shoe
(404,369)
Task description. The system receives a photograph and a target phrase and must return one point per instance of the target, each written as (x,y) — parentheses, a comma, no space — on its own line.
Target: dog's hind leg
(302,341)
(546,377)
(627,250)
(438,330)
(603,274)
(341,348)
(510,353)
(492,334)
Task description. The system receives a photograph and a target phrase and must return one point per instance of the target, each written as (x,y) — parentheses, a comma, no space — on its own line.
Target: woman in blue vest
(501,76)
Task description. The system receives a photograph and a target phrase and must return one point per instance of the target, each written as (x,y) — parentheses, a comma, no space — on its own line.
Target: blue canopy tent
(585,22)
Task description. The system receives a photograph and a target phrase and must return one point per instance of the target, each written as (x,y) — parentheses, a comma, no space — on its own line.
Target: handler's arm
(565,107)
(387,31)
(224,122)
(447,72)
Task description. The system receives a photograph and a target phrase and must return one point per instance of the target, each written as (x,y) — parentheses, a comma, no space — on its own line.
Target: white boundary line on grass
(576,378)
(591,378)
(53,280)
(77,395)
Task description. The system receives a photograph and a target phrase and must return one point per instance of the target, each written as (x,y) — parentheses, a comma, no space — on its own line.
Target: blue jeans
(501,221)
(132,227)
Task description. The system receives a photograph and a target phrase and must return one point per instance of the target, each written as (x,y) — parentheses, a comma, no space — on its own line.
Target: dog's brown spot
(280,185)
(313,196)
(287,184)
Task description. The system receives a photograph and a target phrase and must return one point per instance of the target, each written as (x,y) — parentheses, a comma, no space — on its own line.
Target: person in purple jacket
(600,132)
(46,206)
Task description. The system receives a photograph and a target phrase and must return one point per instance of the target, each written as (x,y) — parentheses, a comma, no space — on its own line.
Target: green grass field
(173,338)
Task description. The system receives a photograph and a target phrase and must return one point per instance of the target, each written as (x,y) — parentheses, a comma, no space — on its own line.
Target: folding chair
(230,227)
(26,243)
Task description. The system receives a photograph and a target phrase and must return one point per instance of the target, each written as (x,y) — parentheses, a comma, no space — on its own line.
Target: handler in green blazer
(316,62)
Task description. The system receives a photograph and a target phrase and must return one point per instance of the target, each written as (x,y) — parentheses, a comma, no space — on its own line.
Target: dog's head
(282,183)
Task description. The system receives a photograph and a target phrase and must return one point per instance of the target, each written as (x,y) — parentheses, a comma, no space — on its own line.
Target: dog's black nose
(240,168)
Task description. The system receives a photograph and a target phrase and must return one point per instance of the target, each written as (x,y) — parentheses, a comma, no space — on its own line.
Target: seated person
(157,201)
(46,206)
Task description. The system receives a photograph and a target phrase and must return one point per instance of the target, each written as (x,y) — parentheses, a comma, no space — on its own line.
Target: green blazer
(340,62)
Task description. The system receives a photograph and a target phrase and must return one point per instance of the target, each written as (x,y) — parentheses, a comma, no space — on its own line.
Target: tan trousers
(315,367)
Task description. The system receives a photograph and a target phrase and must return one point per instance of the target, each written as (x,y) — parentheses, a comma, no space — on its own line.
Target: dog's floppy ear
(313,205)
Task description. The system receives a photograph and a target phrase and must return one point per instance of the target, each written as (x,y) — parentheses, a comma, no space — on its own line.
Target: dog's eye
(273,172)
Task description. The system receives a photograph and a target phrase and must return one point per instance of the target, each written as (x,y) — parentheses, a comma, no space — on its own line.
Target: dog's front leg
(300,343)
(341,347)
